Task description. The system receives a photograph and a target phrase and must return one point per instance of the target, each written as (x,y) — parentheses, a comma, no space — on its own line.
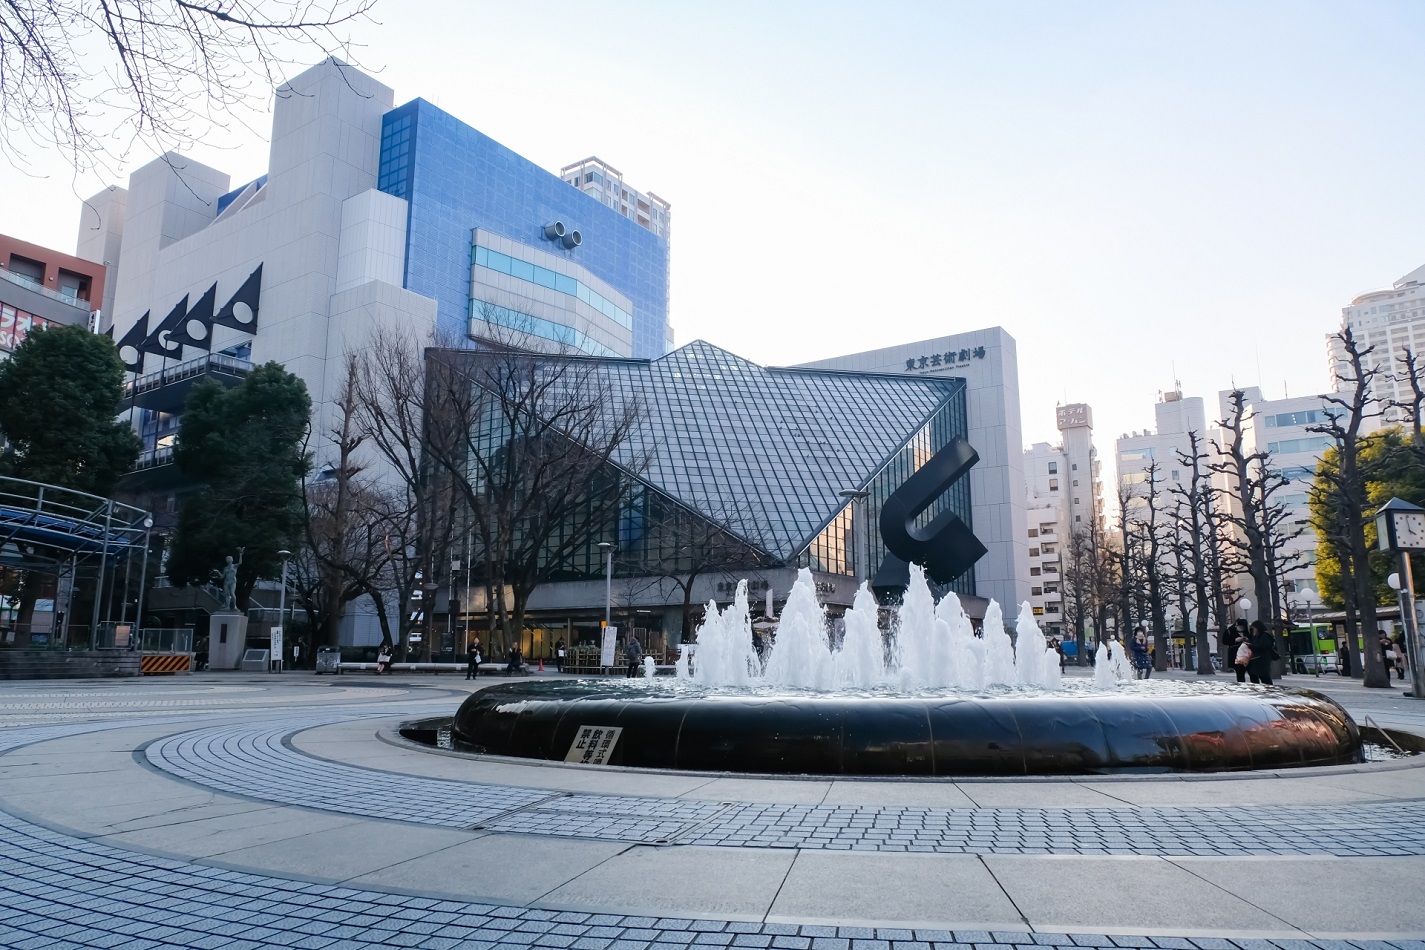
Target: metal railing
(185,370)
(31,284)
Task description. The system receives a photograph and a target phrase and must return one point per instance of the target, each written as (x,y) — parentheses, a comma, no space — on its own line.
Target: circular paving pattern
(60,889)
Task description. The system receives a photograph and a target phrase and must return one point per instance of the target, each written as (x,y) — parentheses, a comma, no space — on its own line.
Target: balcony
(167,389)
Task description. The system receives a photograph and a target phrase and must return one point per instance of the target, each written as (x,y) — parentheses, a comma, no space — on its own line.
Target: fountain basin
(1066,732)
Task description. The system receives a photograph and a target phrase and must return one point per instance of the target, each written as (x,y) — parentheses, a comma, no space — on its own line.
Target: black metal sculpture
(946,547)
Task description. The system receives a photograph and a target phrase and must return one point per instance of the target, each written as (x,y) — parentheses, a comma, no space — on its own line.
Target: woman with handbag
(1236,640)
(1263,650)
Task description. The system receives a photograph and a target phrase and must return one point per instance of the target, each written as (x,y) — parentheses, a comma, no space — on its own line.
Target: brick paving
(60,891)
(254,759)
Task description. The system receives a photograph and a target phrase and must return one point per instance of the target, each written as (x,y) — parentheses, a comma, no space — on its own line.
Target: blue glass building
(458,180)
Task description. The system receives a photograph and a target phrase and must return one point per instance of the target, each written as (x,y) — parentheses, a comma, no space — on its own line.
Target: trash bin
(329,660)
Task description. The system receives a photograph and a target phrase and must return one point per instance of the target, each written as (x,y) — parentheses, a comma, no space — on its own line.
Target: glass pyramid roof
(765,450)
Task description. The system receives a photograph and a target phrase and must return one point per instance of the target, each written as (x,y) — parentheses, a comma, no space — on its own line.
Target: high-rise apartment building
(1388,321)
(1063,489)
(596,177)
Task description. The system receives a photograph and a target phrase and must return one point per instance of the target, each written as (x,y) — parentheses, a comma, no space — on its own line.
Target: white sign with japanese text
(593,745)
(607,647)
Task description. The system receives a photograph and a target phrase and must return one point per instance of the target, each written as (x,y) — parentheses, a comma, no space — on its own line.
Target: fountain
(933,698)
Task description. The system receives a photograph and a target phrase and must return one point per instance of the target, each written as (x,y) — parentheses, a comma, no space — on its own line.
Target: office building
(988,362)
(40,287)
(1158,449)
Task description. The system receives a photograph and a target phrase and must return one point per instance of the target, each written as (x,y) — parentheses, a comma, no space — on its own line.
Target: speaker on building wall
(554,230)
(573,239)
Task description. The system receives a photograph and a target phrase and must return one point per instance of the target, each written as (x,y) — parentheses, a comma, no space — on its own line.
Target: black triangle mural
(133,340)
(158,342)
(196,328)
(240,312)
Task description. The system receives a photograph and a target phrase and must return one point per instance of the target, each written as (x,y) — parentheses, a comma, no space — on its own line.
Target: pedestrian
(383,657)
(296,654)
(1063,657)
(473,658)
(514,661)
(559,656)
(633,652)
(1343,659)
(1386,653)
(1402,658)
(1264,650)
(1142,658)
(1236,639)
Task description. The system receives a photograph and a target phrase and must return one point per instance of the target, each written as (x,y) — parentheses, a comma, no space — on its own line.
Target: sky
(1139,193)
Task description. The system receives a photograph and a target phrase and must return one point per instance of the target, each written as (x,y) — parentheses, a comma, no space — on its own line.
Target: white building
(596,177)
(1280,428)
(1137,452)
(1387,320)
(988,361)
(1064,490)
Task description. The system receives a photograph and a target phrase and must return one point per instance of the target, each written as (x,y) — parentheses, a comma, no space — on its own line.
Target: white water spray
(932,645)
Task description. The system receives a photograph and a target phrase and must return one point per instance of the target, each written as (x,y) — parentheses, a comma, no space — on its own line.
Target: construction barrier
(157,664)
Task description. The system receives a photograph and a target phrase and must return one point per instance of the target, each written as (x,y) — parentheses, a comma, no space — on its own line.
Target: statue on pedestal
(228,600)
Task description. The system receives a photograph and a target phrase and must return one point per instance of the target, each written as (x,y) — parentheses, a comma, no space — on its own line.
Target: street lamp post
(143,574)
(284,554)
(608,550)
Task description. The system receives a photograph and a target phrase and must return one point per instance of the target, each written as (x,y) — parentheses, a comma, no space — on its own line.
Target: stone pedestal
(227,639)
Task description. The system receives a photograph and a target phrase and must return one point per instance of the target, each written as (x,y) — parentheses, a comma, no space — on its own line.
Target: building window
(1076,483)
(1046,529)
(1034,532)
(1053,468)
(1034,572)
(1033,552)
(1078,517)
(1036,592)
(1075,466)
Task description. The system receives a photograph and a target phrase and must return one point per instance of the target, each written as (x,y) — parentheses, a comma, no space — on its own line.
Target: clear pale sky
(1137,192)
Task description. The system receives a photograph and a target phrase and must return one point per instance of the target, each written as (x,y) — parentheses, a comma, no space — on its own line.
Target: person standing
(1387,653)
(559,656)
(633,652)
(472,660)
(1142,659)
(1264,649)
(1236,636)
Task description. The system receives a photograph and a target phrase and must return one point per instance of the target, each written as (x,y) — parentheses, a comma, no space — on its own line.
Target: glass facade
(481,310)
(457,179)
(745,464)
(544,277)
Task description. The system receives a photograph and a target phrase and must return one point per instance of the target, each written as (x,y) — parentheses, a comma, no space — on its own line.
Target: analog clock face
(1410,530)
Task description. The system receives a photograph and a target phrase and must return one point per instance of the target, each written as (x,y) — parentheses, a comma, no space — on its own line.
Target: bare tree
(83,75)
(1193,542)
(1341,493)
(1152,525)
(398,418)
(544,467)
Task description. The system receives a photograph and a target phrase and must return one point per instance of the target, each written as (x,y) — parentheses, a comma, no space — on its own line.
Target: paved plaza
(246,811)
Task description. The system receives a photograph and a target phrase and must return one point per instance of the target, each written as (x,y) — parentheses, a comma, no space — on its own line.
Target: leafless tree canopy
(93,77)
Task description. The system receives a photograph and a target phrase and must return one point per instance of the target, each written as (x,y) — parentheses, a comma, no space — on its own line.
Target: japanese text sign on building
(948,358)
(593,745)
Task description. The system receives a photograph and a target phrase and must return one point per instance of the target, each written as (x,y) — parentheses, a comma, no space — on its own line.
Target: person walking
(633,652)
(1264,650)
(1236,637)
(472,660)
(1142,659)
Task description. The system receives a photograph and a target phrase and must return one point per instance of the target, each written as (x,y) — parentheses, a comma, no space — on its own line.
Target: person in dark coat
(1236,636)
(1264,650)
(472,659)
(633,653)
(1142,659)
